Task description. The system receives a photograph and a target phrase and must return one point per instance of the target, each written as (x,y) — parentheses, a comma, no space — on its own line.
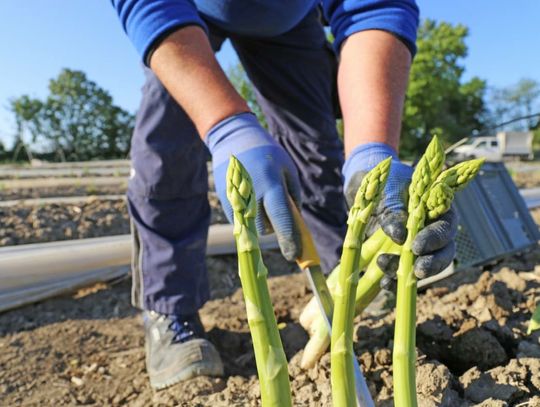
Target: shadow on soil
(102,301)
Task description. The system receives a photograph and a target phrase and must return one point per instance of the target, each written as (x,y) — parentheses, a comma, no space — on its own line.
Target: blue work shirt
(148,21)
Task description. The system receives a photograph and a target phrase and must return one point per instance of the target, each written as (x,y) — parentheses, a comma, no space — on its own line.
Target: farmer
(190,109)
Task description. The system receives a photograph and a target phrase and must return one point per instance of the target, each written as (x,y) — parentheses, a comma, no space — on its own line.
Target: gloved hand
(434,245)
(273,173)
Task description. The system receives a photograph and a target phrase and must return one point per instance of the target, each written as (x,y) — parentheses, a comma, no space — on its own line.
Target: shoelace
(184,328)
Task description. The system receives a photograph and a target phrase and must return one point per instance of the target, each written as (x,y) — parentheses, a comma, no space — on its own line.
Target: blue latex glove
(434,245)
(273,173)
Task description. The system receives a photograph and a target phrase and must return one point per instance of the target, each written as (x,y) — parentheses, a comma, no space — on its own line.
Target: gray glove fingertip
(388,263)
(291,249)
(434,263)
(388,283)
(352,187)
(436,235)
(277,207)
(393,225)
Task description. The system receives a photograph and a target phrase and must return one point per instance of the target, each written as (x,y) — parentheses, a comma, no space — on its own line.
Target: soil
(87,348)
(52,222)
(536,215)
(22,224)
(529,179)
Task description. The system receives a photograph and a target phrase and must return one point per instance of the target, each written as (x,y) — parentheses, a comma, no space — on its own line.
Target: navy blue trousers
(294,75)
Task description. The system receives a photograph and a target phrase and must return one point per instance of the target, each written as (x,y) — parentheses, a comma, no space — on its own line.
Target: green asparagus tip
(435,156)
(239,187)
(373,185)
(439,200)
(458,176)
(427,170)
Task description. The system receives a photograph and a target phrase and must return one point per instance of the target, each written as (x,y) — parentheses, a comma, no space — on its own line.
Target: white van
(508,144)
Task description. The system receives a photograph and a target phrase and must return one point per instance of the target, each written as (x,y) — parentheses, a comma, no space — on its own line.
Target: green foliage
(438,101)
(536,138)
(26,111)
(78,120)
(3,152)
(238,77)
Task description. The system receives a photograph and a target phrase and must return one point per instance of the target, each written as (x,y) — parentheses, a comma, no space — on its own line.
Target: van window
(482,144)
(494,143)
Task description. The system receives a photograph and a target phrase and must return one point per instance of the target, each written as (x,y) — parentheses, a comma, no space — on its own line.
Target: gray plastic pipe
(32,272)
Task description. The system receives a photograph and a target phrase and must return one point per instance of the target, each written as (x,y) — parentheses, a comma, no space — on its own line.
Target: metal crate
(494,220)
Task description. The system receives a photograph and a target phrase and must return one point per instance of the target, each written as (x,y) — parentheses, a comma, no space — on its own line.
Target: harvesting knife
(310,263)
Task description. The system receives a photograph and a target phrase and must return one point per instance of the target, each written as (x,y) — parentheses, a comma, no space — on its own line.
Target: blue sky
(39,37)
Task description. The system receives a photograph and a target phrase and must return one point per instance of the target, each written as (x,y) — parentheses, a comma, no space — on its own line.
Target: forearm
(185,64)
(372,81)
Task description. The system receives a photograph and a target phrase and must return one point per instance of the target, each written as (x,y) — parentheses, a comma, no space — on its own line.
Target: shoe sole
(195,370)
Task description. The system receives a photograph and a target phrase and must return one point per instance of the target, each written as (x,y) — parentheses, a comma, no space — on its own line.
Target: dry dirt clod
(435,386)
(485,387)
(508,383)
(476,347)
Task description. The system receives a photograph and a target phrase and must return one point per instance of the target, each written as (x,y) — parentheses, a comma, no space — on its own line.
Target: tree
(26,111)
(78,120)
(515,101)
(437,100)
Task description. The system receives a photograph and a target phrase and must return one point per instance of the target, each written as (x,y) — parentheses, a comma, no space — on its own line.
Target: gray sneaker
(177,350)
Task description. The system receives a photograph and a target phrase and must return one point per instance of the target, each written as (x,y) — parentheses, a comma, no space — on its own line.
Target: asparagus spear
(269,355)
(342,374)
(404,356)
(367,290)
(534,323)
(430,196)
(370,249)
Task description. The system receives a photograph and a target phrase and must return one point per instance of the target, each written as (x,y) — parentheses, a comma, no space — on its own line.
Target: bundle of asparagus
(430,195)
